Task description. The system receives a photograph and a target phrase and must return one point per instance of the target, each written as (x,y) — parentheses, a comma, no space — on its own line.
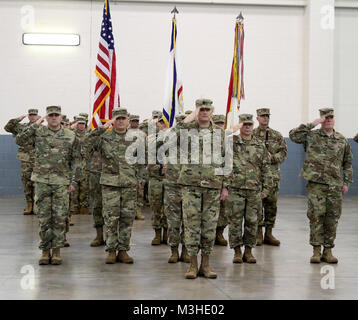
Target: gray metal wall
(291,183)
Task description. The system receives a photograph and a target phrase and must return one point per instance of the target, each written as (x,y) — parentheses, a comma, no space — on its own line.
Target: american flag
(106,96)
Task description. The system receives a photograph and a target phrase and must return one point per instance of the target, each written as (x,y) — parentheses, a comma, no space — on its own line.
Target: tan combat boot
(165,236)
(85,211)
(270,239)
(328,257)
(184,256)
(139,215)
(192,272)
(175,255)
(98,241)
(56,258)
(205,269)
(220,240)
(28,209)
(45,258)
(316,258)
(157,237)
(70,222)
(248,257)
(123,257)
(111,257)
(66,244)
(237,255)
(259,236)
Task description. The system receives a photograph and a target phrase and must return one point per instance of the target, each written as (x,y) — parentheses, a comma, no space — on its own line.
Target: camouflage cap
(53,109)
(64,118)
(33,111)
(120,112)
(84,115)
(263,111)
(81,120)
(204,103)
(134,117)
(156,113)
(75,118)
(180,117)
(187,112)
(218,118)
(246,118)
(326,112)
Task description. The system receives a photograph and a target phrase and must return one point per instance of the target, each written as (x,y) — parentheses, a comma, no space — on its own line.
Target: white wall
(274,58)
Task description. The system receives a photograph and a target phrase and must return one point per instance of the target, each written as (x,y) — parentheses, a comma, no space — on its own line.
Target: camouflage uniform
(326,156)
(356,138)
(276,146)
(250,176)
(25,155)
(119,182)
(57,165)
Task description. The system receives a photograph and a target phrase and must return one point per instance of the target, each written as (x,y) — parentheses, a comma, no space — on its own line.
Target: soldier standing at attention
(201,189)
(276,146)
(249,182)
(57,168)
(119,181)
(219,120)
(327,153)
(26,155)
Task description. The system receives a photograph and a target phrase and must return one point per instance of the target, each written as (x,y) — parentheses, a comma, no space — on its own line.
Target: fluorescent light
(51,39)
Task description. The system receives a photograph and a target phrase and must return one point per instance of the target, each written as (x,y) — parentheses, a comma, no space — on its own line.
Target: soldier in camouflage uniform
(156,189)
(79,198)
(276,146)
(173,202)
(57,168)
(356,138)
(201,190)
(219,120)
(134,125)
(327,154)
(26,155)
(119,181)
(249,182)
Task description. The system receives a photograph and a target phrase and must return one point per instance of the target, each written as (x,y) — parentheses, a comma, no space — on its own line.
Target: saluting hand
(109,123)
(319,120)
(22,117)
(42,119)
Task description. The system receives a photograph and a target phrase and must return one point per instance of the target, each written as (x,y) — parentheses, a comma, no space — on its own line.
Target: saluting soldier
(26,156)
(276,146)
(328,153)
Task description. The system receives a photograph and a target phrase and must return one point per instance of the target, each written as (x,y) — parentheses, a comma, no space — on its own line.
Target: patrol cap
(187,112)
(64,118)
(326,112)
(53,109)
(84,115)
(81,120)
(119,112)
(204,103)
(263,111)
(246,118)
(134,117)
(218,118)
(75,118)
(33,111)
(156,113)
(180,117)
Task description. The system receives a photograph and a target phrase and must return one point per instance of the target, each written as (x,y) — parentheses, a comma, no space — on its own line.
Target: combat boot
(328,257)
(98,241)
(28,209)
(316,258)
(248,257)
(205,269)
(123,257)
(66,244)
(45,258)
(184,256)
(220,240)
(85,211)
(237,255)
(139,215)
(259,236)
(270,239)
(165,236)
(192,272)
(56,258)
(175,255)
(156,239)
(70,222)
(111,257)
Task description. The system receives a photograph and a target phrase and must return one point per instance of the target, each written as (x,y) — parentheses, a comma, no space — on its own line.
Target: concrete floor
(281,272)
